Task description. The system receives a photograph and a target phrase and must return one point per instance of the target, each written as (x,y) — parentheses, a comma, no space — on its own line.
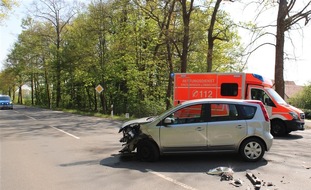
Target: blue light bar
(258,77)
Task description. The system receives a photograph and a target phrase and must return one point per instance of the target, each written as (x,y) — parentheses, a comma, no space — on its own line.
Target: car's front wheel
(278,128)
(252,149)
(147,151)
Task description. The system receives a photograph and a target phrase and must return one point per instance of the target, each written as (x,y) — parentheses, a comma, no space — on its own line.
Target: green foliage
(303,99)
(6,7)
(307,113)
(121,45)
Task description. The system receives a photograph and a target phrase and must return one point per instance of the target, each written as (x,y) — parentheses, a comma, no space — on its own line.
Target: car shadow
(191,163)
(290,137)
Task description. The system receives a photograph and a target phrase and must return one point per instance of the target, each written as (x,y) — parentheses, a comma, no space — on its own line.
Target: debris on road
(226,176)
(219,171)
(255,180)
(237,183)
(225,173)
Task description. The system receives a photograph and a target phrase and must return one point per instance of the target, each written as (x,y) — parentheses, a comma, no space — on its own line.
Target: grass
(96,114)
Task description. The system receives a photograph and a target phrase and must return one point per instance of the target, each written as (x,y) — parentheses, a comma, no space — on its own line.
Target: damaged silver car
(199,126)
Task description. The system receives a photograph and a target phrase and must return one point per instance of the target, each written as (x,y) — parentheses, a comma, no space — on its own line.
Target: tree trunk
(279,49)
(210,37)
(170,80)
(185,44)
(47,86)
(20,95)
(184,55)
(32,88)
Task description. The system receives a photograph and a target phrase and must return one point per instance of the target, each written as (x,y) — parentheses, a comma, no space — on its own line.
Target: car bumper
(294,125)
(6,107)
(268,140)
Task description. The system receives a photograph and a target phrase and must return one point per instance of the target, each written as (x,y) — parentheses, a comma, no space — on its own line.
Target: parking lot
(43,149)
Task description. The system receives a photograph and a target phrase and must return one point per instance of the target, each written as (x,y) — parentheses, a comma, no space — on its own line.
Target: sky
(261,61)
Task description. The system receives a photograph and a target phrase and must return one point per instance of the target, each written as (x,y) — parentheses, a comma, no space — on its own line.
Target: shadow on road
(27,122)
(290,137)
(183,163)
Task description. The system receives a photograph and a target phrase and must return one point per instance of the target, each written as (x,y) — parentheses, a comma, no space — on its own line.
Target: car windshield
(276,96)
(4,98)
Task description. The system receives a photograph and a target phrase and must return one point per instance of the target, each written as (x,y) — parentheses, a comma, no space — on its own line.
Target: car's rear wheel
(252,149)
(147,151)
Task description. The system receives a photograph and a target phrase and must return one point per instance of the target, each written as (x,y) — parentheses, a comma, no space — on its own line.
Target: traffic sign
(99,89)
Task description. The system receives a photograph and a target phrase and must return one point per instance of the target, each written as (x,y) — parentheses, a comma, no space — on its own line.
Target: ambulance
(284,117)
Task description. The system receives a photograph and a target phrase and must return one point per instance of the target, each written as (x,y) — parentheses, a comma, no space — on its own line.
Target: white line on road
(53,127)
(65,132)
(170,179)
(31,117)
(27,116)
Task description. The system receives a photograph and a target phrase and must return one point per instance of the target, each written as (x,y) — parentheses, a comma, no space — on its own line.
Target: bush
(303,99)
(146,108)
(307,113)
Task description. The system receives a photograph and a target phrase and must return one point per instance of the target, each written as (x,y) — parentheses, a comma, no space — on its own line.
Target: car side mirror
(168,120)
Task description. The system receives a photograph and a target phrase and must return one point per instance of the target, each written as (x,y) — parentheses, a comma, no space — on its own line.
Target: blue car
(5,102)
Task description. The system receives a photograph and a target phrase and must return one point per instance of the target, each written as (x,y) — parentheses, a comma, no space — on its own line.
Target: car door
(187,130)
(225,128)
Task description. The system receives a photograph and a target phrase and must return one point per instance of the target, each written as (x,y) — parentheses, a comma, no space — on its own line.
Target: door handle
(199,129)
(240,127)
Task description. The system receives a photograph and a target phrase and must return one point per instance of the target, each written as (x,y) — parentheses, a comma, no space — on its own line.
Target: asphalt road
(43,149)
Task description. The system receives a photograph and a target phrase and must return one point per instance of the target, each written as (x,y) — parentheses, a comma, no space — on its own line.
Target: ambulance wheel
(278,128)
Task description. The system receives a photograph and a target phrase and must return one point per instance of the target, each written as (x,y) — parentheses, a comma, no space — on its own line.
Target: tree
(129,47)
(5,7)
(286,19)
(220,35)
(59,14)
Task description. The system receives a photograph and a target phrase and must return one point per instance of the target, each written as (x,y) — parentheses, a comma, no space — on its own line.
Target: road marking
(171,180)
(53,127)
(26,115)
(65,132)
(31,117)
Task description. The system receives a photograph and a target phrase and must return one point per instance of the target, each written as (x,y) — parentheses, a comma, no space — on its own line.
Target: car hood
(136,121)
(292,108)
(295,109)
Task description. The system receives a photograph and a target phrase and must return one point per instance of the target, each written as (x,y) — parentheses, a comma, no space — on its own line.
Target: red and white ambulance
(284,117)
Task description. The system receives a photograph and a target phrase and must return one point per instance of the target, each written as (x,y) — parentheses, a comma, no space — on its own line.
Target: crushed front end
(130,137)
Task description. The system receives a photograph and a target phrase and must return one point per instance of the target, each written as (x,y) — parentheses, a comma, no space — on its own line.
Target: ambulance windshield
(276,96)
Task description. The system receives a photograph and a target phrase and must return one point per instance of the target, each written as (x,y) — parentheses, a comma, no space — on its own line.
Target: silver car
(198,126)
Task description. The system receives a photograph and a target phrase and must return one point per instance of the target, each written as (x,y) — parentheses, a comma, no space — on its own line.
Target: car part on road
(255,181)
(219,170)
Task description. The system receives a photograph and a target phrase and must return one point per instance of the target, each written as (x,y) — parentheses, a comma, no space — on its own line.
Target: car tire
(147,151)
(252,149)
(278,128)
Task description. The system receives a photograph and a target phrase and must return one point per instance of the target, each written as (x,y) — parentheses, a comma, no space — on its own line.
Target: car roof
(216,100)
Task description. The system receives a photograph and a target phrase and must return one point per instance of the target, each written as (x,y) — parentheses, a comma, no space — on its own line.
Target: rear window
(247,112)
